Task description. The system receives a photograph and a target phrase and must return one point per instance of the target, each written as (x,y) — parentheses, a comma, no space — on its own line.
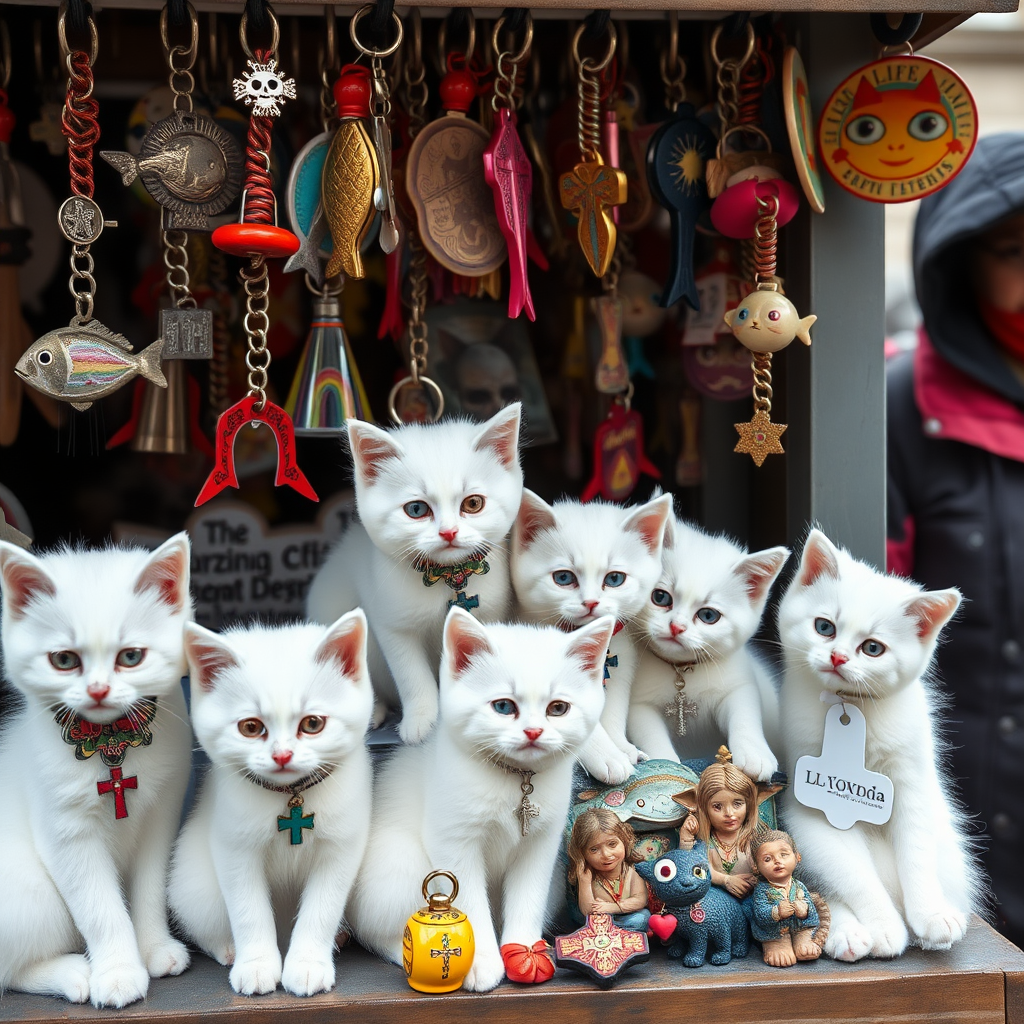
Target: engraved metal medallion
(187,333)
(189,164)
(81,221)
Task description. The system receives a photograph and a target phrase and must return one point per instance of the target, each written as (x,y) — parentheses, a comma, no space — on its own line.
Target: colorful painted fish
(85,362)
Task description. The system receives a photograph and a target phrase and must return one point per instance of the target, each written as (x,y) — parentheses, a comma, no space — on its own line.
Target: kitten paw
(305,976)
(416,724)
(631,751)
(850,942)
(610,767)
(890,939)
(75,978)
(941,930)
(257,975)
(118,984)
(486,973)
(67,976)
(166,958)
(756,760)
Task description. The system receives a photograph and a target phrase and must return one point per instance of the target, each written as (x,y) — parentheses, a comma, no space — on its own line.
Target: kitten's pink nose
(282,757)
(838,659)
(533,734)
(676,630)
(590,605)
(448,534)
(97,691)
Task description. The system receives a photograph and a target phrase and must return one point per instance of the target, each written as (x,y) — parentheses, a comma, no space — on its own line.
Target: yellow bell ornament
(438,946)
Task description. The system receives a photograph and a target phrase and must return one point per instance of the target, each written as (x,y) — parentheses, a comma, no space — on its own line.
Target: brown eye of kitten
(473,504)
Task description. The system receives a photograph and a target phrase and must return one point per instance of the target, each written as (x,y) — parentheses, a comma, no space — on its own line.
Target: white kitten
(429,497)
(694,631)
(848,629)
(517,703)
(94,637)
(572,563)
(282,712)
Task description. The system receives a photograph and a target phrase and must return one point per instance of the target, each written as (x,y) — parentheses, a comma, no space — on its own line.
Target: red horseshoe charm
(228,425)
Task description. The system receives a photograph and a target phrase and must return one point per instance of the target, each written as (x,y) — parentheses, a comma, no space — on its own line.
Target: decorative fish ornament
(82,363)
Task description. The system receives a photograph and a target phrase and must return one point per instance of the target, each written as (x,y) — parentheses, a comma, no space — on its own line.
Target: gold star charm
(760,437)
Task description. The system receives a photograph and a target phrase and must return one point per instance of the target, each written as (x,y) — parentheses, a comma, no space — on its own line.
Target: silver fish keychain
(86,360)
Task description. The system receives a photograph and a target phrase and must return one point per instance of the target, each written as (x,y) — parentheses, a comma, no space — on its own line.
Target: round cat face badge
(898,129)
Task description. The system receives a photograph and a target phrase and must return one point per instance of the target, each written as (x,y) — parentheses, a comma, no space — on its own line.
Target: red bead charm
(255,240)
(734,213)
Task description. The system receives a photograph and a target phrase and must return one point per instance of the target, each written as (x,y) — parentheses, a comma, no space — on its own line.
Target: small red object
(697,913)
(734,213)
(117,784)
(663,925)
(527,965)
(352,91)
(7,118)
(457,90)
(619,456)
(255,240)
(229,423)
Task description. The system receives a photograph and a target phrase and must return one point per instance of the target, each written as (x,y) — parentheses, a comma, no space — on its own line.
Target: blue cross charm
(295,821)
(610,661)
(468,603)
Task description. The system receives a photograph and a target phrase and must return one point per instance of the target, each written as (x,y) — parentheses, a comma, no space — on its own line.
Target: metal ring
(441,874)
(94,37)
(442,37)
(897,50)
(527,41)
(751,129)
(275,33)
(585,63)
(193,46)
(398,421)
(362,13)
(747,53)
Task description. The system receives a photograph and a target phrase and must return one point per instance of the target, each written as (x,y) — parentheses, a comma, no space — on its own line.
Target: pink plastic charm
(734,213)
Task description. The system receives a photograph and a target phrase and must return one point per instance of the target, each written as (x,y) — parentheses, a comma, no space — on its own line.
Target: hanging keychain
(84,361)
(676,160)
(765,322)
(258,237)
(591,186)
(508,170)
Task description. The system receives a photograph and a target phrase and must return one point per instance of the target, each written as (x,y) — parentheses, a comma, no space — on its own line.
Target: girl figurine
(724,815)
(784,915)
(601,859)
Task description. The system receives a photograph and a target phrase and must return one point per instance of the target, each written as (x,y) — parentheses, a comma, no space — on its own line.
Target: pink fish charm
(509,173)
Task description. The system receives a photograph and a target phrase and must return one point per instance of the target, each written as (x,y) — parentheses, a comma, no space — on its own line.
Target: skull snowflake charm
(263,88)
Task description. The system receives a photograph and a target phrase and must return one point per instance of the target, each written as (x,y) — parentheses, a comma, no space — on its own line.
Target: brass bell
(438,945)
(163,418)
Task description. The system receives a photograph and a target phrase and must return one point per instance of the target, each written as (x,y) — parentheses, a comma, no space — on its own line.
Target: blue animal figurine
(706,916)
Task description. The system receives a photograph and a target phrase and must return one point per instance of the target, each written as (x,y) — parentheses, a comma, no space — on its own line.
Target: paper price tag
(837,782)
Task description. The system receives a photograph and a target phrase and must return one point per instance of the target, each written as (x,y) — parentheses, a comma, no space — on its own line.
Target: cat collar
(112,741)
(455,575)
(527,809)
(294,821)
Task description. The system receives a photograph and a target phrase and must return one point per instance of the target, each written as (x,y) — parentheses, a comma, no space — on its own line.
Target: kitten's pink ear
(371,447)
(344,645)
(22,579)
(501,434)
(650,522)
(535,516)
(759,570)
(589,645)
(819,559)
(464,639)
(932,610)
(167,572)
(208,654)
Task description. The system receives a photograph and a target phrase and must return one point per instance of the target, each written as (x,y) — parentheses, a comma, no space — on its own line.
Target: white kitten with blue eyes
(279,828)
(697,669)
(93,769)
(847,629)
(517,703)
(572,563)
(435,505)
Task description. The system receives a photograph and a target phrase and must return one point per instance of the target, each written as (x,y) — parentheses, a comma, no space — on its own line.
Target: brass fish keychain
(591,187)
(84,361)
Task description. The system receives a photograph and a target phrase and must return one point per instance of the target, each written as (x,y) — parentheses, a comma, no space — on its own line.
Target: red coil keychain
(257,236)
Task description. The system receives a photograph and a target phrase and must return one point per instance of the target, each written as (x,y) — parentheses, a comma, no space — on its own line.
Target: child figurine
(601,860)
(724,815)
(783,915)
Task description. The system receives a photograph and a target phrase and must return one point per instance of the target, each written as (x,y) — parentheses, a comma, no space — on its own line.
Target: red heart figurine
(663,925)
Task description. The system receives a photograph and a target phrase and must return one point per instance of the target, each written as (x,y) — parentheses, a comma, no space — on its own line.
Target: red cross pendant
(116,784)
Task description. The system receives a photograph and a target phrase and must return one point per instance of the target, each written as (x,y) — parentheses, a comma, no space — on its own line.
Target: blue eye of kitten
(709,615)
(505,706)
(130,657)
(824,627)
(564,578)
(662,598)
(416,509)
(615,579)
(872,648)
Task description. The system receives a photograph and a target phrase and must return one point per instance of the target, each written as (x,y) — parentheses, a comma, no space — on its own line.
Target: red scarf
(1006,327)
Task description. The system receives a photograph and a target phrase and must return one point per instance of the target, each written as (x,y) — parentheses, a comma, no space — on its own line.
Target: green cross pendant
(295,821)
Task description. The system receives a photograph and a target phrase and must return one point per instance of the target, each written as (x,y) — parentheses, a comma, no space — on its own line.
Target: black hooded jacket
(956,503)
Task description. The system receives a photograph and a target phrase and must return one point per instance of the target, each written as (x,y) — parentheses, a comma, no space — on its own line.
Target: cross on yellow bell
(438,946)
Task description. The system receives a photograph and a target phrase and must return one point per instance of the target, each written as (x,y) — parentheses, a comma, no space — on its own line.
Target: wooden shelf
(981,981)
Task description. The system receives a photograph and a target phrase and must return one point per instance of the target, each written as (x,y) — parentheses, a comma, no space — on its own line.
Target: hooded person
(956,484)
